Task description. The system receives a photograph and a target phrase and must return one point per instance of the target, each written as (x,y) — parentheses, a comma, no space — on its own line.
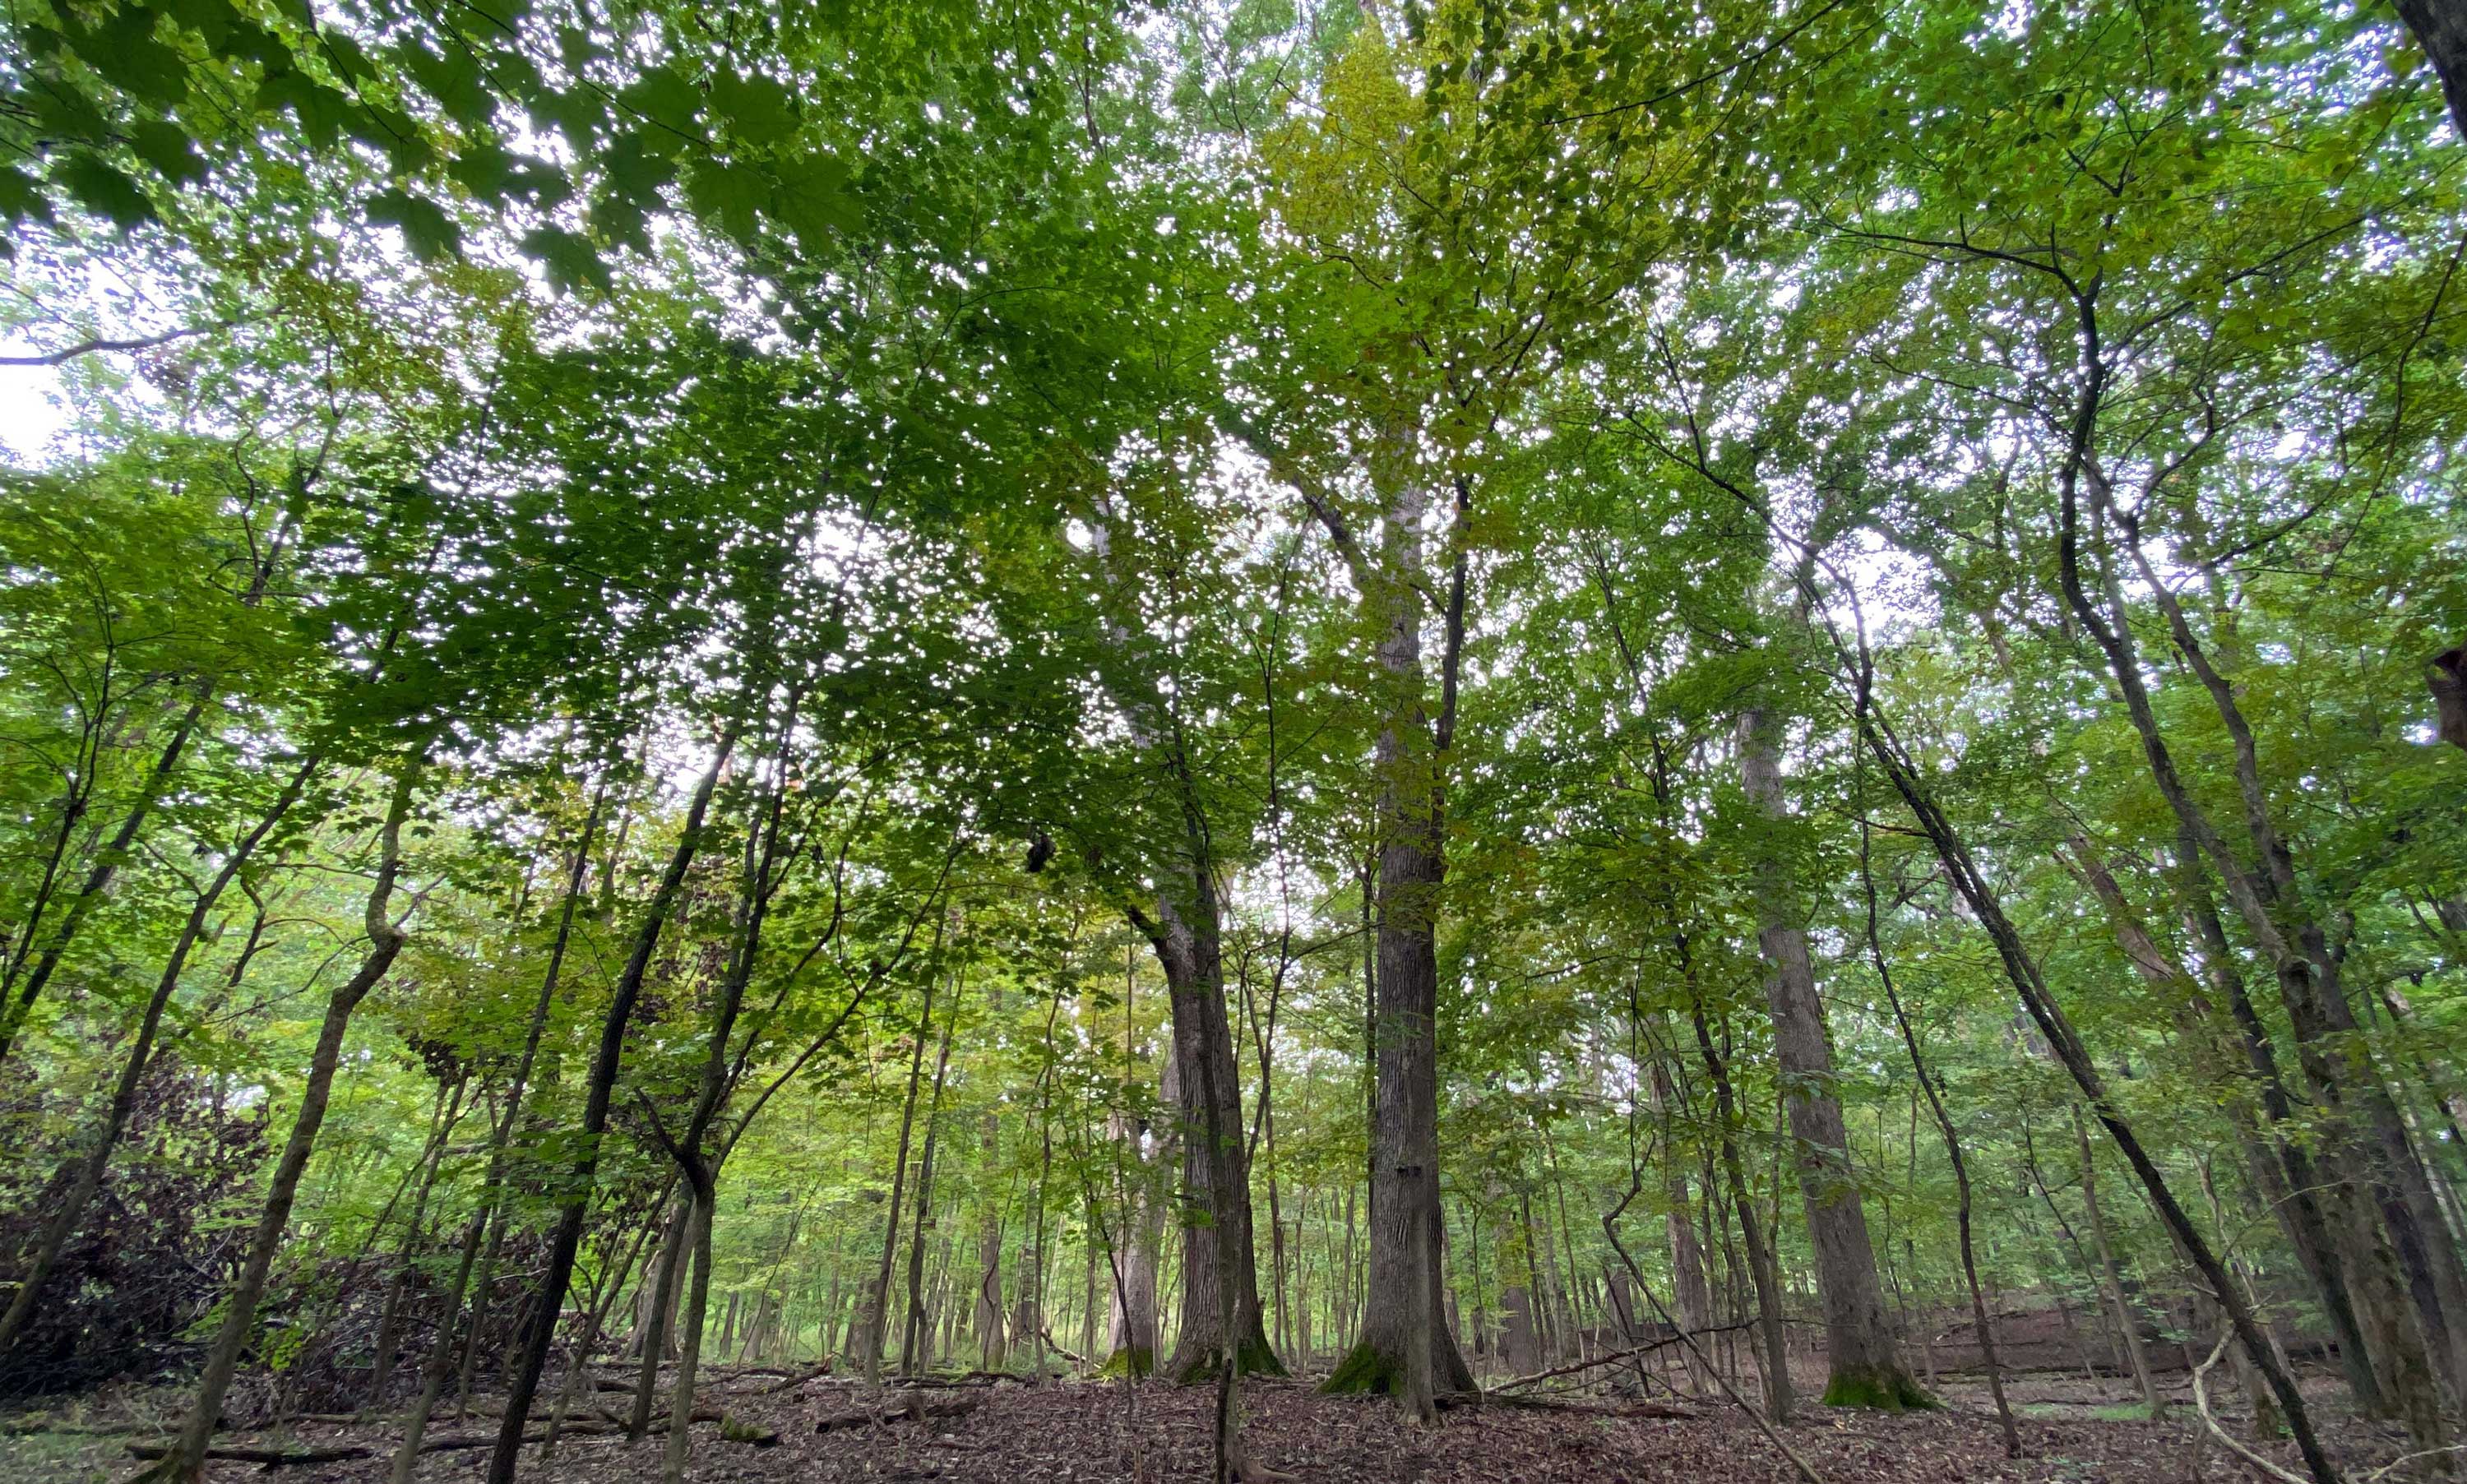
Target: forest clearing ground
(1076,1431)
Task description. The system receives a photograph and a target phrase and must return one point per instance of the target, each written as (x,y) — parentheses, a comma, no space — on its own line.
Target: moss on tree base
(1258,1358)
(1364,1372)
(1878,1388)
(1136,1361)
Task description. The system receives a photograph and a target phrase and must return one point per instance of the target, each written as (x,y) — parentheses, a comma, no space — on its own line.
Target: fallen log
(914,1406)
(270,1457)
(1667,1409)
(803,1378)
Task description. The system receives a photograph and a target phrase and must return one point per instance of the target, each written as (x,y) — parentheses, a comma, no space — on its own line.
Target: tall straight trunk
(878,1297)
(186,1460)
(1866,1368)
(654,1337)
(2110,1280)
(1132,1338)
(97,1158)
(913,1340)
(1691,1295)
(1933,1089)
(1184,935)
(992,1344)
(567,1242)
(1407,1348)
(1764,1270)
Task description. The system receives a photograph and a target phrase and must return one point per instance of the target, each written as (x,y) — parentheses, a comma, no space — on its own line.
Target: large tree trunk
(1866,1368)
(1132,1337)
(1185,936)
(1407,1348)
(2440,27)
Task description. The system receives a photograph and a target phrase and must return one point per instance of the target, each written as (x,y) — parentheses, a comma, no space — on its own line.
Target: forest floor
(1087,1433)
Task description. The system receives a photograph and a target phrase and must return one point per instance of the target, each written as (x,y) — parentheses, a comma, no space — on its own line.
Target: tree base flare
(1133,1361)
(1364,1372)
(1258,1358)
(1878,1388)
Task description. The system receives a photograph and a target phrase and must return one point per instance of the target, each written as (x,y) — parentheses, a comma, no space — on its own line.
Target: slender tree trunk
(2110,1280)
(185,1462)
(1763,1270)
(98,876)
(877,1299)
(97,1159)
(1691,1299)
(566,1242)
(1929,1085)
(912,1343)
(381,1368)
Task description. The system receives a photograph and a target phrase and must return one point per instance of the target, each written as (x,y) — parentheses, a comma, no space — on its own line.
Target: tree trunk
(567,1242)
(1865,1369)
(2111,1281)
(1185,938)
(912,1341)
(1691,1297)
(1763,1270)
(96,1161)
(186,1461)
(877,1298)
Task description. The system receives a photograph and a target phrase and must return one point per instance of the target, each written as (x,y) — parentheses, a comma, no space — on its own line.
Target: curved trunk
(186,1461)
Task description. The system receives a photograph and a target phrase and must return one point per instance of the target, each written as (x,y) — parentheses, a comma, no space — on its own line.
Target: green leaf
(579,115)
(124,50)
(568,257)
(663,97)
(731,196)
(426,230)
(814,199)
(621,221)
(345,56)
(485,169)
(102,189)
(759,109)
(319,110)
(164,145)
(454,81)
(22,196)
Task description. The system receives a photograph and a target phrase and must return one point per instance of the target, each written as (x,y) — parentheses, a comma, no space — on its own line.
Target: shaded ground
(1097,1433)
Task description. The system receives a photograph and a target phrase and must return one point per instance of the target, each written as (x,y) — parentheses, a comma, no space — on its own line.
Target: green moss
(1879,1388)
(1258,1358)
(1364,1372)
(1129,1360)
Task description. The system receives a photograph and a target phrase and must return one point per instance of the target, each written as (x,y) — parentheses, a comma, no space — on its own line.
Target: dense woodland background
(1414,692)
